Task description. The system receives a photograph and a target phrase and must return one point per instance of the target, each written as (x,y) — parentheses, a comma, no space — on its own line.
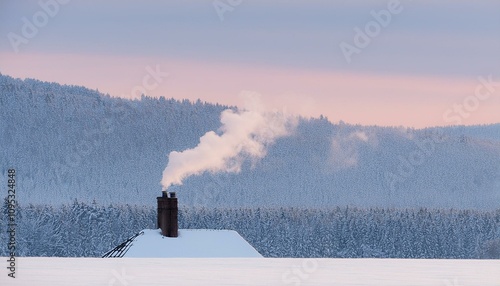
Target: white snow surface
(191,243)
(55,271)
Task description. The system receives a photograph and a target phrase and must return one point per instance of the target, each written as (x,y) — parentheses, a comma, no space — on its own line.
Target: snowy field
(250,271)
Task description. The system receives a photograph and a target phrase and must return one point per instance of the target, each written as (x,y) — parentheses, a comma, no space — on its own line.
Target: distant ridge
(70,142)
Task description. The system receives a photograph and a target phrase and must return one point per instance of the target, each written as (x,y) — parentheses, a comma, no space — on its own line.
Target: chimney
(167,214)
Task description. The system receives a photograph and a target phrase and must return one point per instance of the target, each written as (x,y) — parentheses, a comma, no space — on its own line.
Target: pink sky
(362,98)
(418,69)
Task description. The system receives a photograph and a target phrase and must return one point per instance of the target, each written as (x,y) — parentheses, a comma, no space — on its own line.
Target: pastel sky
(418,63)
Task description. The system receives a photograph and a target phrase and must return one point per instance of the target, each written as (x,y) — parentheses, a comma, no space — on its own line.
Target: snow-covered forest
(69,142)
(88,170)
(79,229)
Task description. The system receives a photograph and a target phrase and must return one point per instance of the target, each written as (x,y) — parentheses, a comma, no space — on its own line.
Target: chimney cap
(172,195)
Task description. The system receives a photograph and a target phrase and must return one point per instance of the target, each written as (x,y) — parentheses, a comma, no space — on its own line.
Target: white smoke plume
(245,134)
(345,148)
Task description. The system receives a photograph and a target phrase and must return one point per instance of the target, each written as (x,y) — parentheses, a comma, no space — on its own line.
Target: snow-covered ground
(250,271)
(191,243)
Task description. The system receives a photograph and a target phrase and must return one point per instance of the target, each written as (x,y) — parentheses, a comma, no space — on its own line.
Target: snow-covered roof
(200,243)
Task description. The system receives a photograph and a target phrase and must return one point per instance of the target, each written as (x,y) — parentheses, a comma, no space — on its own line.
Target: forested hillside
(69,142)
(78,229)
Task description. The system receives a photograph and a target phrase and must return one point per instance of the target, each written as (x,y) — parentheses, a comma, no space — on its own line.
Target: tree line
(89,230)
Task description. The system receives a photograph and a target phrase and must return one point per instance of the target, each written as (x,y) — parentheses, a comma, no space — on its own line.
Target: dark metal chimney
(167,214)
